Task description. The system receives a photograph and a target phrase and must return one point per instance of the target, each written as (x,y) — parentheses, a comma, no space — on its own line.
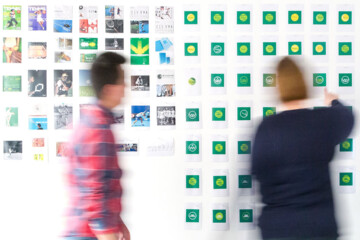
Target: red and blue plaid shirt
(94,176)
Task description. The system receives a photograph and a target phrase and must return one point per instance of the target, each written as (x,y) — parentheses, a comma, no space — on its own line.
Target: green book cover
(139,51)
(12,83)
(12,117)
(88,43)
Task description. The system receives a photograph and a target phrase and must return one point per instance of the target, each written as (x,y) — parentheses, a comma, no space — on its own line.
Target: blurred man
(93,170)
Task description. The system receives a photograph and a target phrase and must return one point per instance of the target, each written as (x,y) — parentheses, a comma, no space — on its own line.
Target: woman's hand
(329,97)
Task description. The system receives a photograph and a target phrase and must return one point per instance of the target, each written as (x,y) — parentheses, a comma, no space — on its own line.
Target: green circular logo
(219,182)
(269,80)
(192,147)
(192,215)
(346,179)
(190,17)
(243,48)
(244,113)
(243,17)
(346,145)
(295,48)
(218,114)
(319,17)
(244,147)
(269,112)
(217,80)
(192,181)
(345,79)
(269,48)
(219,216)
(319,79)
(217,49)
(192,81)
(294,17)
(319,48)
(219,147)
(345,48)
(269,17)
(217,17)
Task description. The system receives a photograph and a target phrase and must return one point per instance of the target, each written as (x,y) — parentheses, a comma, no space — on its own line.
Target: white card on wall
(220,182)
(193,181)
(243,147)
(219,115)
(244,80)
(220,217)
(217,81)
(193,115)
(193,150)
(345,179)
(245,182)
(192,78)
(217,18)
(218,146)
(217,49)
(193,216)
(246,216)
(244,114)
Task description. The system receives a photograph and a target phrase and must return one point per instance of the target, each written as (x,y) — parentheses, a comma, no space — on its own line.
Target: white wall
(32,194)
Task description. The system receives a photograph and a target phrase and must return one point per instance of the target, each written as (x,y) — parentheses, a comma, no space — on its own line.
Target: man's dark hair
(105,70)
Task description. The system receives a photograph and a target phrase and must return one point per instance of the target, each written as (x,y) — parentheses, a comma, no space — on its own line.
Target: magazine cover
(11,17)
(85,84)
(63,16)
(12,117)
(12,83)
(37,83)
(63,114)
(63,81)
(139,20)
(37,50)
(12,150)
(88,19)
(114,19)
(12,50)
(37,18)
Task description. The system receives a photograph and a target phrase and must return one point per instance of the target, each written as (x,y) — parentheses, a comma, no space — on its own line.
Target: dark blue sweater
(291,156)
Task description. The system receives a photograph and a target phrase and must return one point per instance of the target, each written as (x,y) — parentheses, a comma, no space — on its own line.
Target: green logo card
(192,115)
(346,179)
(192,215)
(347,145)
(217,49)
(243,17)
(219,216)
(243,49)
(192,147)
(88,43)
(319,79)
(345,48)
(269,80)
(219,147)
(319,48)
(243,113)
(217,17)
(191,49)
(294,17)
(192,181)
(245,181)
(268,111)
(269,48)
(217,80)
(190,17)
(295,48)
(220,182)
(345,79)
(246,215)
(269,17)
(345,17)
(319,17)
(244,147)
(218,114)
(243,80)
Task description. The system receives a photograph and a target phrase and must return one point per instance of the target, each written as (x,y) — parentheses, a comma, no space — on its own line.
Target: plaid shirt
(93,175)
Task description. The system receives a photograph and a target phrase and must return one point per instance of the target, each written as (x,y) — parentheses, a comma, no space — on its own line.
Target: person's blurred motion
(291,155)
(93,170)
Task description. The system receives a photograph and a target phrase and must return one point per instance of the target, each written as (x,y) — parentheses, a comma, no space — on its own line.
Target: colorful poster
(12,117)
(11,17)
(139,51)
(37,18)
